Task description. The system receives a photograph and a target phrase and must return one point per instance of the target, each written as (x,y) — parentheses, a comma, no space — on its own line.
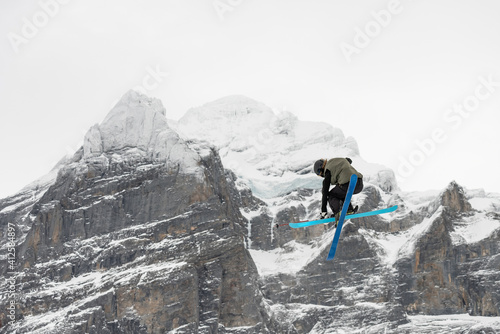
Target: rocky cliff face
(134,239)
(436,278)
(383,276)
(144,230)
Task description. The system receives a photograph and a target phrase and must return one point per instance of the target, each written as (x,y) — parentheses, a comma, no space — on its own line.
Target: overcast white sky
(416,83)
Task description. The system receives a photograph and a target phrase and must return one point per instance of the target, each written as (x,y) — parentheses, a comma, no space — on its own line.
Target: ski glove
(323,215)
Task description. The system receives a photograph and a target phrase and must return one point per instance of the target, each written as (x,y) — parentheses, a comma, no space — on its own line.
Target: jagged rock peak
(137,126)
(454,198)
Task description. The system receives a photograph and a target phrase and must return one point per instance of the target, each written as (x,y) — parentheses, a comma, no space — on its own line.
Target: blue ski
(356,215)
(350,190)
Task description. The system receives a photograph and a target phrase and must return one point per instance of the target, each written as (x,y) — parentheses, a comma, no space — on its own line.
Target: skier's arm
(326,188)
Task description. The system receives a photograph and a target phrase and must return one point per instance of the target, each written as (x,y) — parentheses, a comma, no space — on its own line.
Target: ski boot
(337,218)
(352,210)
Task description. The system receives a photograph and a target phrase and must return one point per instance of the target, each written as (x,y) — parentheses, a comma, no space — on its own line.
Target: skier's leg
(357,190)
(359,186)
(336,197)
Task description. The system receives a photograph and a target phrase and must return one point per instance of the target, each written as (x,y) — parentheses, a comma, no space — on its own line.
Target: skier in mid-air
(336,171)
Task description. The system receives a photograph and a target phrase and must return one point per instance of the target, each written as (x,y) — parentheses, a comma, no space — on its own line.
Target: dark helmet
(319,167)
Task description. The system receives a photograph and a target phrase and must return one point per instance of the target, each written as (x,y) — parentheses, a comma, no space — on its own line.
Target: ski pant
(336,196)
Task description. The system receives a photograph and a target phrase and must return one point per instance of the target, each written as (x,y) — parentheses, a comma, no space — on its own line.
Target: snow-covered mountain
(272,152)
(158,226)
